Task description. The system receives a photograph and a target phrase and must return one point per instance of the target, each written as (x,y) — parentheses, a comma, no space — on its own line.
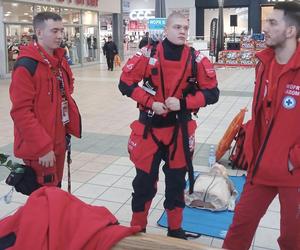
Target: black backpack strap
(153,49)
(29,63)
(193,63)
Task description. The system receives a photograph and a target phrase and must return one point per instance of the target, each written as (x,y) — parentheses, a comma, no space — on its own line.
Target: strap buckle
(150,113)
(192,79)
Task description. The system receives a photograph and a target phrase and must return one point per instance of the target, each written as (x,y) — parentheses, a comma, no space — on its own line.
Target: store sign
(126,6)
(156,28)
(45,8)
(157,23)
(141,14)
(135,25)
(91,3)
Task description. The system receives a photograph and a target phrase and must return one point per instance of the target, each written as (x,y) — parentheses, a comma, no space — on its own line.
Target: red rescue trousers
(252,206)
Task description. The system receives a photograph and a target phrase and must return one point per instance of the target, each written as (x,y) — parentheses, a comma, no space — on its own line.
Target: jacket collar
(31,51)
(266,56)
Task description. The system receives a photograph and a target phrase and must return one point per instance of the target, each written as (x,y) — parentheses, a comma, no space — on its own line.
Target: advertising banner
(213,37)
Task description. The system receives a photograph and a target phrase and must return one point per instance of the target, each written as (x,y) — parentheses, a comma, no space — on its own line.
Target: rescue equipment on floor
(213,191)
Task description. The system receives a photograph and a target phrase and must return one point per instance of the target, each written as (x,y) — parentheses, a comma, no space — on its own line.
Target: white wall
(187,4)
(110,6)
(141,4)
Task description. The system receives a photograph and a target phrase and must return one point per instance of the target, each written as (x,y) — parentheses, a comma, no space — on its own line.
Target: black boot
(177,233)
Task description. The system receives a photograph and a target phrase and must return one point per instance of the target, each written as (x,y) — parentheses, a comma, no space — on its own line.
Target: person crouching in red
(43,110)
(177,81)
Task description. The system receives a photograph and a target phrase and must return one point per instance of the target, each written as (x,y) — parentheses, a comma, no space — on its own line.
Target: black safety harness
(178,119)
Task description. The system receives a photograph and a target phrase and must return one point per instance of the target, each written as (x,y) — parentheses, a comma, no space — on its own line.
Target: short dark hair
(41,17)
(291,13)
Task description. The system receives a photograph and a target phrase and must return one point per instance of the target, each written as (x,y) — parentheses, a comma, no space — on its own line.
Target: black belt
(159,121)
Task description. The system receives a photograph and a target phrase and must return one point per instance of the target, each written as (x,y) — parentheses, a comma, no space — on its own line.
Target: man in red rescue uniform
(273,136)
(169,90)
(43,110)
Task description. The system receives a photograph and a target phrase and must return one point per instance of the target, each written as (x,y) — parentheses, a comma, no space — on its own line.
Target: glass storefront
(72,43)
(90,36)
(81,40)
(16,35)
(242,20)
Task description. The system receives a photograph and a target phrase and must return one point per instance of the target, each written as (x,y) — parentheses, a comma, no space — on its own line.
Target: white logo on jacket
(129,66)
(152,61)
(292,89)
(289,102)
(131,144)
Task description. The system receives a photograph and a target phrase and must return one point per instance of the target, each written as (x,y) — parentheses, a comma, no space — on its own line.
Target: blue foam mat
(205,222)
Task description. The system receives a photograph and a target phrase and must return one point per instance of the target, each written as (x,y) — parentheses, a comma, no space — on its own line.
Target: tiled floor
(101,171)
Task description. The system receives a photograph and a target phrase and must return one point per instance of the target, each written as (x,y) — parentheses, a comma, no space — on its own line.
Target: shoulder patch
(29,63)
(132,62)
(199,56)
(145,51)
(208,67)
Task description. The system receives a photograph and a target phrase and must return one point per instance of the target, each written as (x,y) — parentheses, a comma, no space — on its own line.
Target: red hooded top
(53,219)
(273,147)
(36,105)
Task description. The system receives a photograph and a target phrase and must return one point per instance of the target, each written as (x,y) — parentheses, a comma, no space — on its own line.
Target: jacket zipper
(262,149)
(259,89)
(52,90)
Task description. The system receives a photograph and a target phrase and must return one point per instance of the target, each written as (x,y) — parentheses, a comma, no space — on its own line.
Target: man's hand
(159,108)
(173,103)
(47,160)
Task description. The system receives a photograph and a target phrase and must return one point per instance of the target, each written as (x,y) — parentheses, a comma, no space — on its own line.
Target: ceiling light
(26,14)
(6,14)
(15,4)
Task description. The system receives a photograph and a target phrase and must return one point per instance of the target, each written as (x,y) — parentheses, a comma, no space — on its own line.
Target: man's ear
(38,32)
(291,31)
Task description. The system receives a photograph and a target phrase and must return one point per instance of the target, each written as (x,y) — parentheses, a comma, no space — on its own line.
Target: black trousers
(110,62)
(145,188)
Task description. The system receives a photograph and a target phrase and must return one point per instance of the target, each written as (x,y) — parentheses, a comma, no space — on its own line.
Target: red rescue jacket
(271,155)
(175,75)
(36,105)
(54,219)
